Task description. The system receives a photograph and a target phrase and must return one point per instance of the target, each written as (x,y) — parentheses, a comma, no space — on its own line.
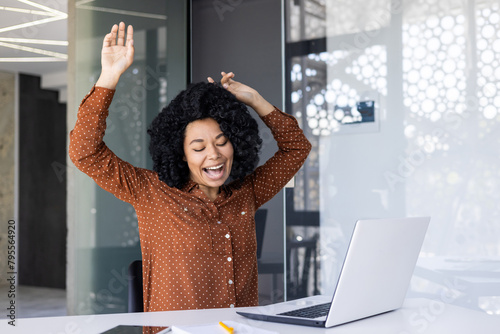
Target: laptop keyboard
(310,312)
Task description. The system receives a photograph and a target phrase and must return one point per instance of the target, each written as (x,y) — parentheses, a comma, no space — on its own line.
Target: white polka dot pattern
(196,253)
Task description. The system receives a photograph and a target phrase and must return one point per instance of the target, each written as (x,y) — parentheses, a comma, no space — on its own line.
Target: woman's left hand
(244,93)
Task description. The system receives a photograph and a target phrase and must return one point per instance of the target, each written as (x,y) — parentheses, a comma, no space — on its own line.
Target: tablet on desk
(130,329)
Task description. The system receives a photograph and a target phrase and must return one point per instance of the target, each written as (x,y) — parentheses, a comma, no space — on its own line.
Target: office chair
(301,254)
(260,227)
(135,300)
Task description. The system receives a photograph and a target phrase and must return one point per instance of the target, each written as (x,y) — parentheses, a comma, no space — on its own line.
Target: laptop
(374,278)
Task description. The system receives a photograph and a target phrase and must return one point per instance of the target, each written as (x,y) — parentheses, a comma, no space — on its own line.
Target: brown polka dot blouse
(196,253)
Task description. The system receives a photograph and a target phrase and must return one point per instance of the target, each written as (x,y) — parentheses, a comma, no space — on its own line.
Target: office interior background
(399,98)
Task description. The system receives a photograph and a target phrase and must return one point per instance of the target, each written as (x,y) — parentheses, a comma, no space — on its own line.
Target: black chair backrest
(135,300)
(260,227)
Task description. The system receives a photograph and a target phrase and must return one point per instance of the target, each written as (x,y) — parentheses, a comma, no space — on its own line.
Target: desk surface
(416,316)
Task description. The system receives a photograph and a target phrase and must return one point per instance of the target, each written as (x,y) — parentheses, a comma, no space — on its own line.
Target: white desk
(473,278)
(417,316)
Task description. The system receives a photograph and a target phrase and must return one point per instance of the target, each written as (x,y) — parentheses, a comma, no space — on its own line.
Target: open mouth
(214,172)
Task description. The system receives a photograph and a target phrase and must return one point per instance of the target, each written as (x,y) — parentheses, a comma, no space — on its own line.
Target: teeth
(215,167)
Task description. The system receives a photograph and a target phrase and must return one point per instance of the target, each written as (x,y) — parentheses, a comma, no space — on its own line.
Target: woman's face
(208,153)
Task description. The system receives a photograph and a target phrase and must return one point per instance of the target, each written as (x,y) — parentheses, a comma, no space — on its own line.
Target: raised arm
(245,94)
(87,149)
(293,146)
(117,55)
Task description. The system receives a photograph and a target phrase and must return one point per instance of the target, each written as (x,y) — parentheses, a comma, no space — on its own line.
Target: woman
(196,209)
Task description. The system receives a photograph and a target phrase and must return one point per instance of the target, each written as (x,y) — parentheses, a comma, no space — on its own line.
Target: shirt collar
(190,185)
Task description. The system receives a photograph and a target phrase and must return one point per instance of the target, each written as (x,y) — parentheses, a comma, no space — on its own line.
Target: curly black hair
(199,101)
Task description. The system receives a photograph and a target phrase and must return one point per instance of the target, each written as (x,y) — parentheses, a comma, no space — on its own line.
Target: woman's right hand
(116,56)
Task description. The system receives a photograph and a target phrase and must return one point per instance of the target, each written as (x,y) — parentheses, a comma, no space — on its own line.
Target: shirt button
(243,213)
(227,236)
(229,259)
(231,306)
(230,281)
(218,222)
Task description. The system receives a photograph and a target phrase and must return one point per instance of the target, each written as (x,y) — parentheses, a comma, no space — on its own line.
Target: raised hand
(117,55)
(245,94)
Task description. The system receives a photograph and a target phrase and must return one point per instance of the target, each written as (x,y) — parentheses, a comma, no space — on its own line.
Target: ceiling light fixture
(51,15)
(34,50)
(31,60)
(33,41)
(122,12)
(26,11)
(82,5)
(45,8)
(32,23)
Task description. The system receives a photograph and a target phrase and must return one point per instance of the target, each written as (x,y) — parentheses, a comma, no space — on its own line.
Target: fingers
(113,33)
(130,44)
(130,36)
(227,76)
(106,42)
(110,37)
(121,34)
(117,36)
(226,79)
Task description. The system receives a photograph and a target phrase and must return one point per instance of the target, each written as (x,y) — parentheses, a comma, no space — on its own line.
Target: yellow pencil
(229,329)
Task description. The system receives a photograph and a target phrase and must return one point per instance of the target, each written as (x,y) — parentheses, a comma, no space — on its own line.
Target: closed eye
(224,143)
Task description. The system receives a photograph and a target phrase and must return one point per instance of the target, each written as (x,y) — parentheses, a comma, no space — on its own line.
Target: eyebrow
(201,140)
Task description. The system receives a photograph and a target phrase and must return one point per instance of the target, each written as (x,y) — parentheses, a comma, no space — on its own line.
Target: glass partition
(103,235)
(399,101)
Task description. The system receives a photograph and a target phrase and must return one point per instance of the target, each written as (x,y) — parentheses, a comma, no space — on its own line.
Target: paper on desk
(215,328)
